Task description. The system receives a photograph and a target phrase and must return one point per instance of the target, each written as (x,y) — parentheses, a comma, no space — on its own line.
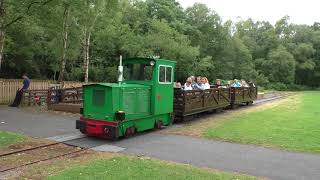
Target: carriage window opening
(165,74)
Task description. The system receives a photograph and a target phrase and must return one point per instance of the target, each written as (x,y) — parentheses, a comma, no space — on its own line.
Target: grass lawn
(141,168)
(292,124)
(8,138)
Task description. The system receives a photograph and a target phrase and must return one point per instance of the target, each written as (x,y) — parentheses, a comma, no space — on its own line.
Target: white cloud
(300,12)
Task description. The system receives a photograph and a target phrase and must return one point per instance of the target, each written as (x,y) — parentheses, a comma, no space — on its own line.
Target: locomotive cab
(141,100)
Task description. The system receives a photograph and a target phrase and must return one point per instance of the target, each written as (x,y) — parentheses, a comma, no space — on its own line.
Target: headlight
(120,115)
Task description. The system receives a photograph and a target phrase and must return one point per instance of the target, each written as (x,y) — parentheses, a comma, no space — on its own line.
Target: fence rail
(51,97)
(8,87)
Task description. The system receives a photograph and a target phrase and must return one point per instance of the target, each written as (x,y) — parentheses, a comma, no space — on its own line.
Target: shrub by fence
(8,87)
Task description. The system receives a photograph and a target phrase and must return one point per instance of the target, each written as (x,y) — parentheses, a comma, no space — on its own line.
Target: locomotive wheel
(158,125)
(130,131)
(172,118)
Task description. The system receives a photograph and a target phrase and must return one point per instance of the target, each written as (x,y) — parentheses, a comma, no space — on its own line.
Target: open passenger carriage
(192,102)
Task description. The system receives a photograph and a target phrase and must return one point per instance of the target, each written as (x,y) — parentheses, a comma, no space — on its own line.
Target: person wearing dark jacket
(218,83)
(24,87)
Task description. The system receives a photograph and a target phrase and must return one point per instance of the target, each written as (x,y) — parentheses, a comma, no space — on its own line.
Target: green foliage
(164,41)
(235,62)
(287,87)
(291,125)
(283,54)
(279,66)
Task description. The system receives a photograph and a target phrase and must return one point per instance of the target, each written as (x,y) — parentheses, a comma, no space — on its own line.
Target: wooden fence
(8,87)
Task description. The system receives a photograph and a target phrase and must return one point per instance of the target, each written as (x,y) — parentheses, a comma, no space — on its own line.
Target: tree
(166,42)
(206,30)
(236,62)
(65,34)
(169,10)
(279,66)
(283,29)
(304,62)
(72,39)
(9,16)
(90,11)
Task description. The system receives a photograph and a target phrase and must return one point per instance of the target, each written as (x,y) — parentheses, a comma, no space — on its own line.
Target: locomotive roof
(142,60)
(117,85)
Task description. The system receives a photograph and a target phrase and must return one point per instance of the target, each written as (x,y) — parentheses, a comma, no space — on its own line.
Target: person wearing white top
(205,83)
(188,85)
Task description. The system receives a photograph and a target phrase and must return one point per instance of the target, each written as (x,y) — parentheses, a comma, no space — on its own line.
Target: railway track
(263,101)
(75,150)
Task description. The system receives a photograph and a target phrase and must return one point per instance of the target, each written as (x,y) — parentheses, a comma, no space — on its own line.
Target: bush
(286,87)
(295,87)
(277,86)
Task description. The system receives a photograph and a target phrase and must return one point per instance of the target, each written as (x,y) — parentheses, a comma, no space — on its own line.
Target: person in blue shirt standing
(24,87)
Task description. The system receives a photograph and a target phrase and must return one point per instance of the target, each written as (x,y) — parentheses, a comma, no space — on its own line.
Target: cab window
(137,72)
(165,74)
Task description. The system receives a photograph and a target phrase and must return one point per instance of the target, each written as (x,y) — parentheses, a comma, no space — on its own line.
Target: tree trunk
(86,54)
(2,37)
(65,43)
(2,30)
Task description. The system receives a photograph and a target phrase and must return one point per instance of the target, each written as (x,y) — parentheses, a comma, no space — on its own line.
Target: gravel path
(248,159)
(36,124)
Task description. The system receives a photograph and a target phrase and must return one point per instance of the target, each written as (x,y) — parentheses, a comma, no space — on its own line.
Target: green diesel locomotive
(141,100)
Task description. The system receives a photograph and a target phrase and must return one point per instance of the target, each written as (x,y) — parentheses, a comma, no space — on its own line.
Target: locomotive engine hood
(102,101)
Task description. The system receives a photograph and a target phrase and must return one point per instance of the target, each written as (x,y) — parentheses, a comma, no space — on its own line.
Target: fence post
(49,98)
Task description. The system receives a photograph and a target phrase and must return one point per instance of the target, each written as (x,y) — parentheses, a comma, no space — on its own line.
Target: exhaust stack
(120,71)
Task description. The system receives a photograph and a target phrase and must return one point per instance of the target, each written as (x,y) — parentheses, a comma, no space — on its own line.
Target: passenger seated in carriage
(197,85)
(236,83)
(188,84)
(194,84)
(251,84)
(218,83)
(205,83)
(244,83)
(193,81)
(177,85)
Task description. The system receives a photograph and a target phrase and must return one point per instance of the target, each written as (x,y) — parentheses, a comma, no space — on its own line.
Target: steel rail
(39,147)
(45,159)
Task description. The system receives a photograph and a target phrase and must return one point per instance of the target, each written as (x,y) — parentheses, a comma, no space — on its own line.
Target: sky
(300,11)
